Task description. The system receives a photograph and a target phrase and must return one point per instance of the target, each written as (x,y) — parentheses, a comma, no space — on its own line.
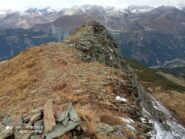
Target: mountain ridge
(87,70)
(151,37)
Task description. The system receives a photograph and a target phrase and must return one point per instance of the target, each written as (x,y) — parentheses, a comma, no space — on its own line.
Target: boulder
(39,126)
(73,115)
(23,134)
(62,111)
(60,130)
(15,120)
(49,119)
(65,121)
(27,116)
(39,123)
(4,133)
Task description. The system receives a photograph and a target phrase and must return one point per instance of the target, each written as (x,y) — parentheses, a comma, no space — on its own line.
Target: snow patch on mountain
(43,11)
(139,9)
(4,13)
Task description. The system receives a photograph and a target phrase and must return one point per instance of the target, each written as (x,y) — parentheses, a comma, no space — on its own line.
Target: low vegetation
(178,71)
(149,76)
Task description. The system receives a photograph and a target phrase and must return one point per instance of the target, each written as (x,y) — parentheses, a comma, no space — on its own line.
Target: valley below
(152,36)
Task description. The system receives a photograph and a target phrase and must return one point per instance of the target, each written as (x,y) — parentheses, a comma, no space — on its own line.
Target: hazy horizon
(22,5)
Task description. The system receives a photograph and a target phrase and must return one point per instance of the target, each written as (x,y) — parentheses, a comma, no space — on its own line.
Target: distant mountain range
(150,35)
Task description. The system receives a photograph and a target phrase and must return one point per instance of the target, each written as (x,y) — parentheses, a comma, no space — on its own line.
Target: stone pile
(49,122)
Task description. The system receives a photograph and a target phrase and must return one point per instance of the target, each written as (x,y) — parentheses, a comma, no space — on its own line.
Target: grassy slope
(178,71)
(150,76)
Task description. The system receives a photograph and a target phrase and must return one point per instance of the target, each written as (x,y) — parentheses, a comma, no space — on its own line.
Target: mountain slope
(58,71)
(152,77)
(152,36)
(167,89)
(25,20)
(159,36)
(14,41)
(85,69)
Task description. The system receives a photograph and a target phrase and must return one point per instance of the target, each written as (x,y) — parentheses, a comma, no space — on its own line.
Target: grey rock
(39,126)
(62,111)
(35,137)
(105,128)
(23,134)
(15,120)
(83,48)
(3,132)
(39,123)
(49,119)
(64,122)
(35,118)
(73,115)
(29,115)
(59,130)
(27,136)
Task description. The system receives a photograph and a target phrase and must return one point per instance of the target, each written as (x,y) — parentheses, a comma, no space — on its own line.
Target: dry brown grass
(111,119)
(16,76)
(89,115)
(130,134)
(86,113)
(66,136)
(55,71)
(174,101)
(59,86)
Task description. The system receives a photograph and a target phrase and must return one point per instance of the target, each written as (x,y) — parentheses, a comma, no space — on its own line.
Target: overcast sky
(59,4)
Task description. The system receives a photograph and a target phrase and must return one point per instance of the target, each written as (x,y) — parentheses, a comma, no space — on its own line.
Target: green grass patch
(149,75)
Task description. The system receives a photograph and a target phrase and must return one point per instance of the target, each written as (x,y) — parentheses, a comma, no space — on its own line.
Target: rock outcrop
(48,122)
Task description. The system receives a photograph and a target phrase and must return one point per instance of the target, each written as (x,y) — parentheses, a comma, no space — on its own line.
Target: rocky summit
(79,89)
